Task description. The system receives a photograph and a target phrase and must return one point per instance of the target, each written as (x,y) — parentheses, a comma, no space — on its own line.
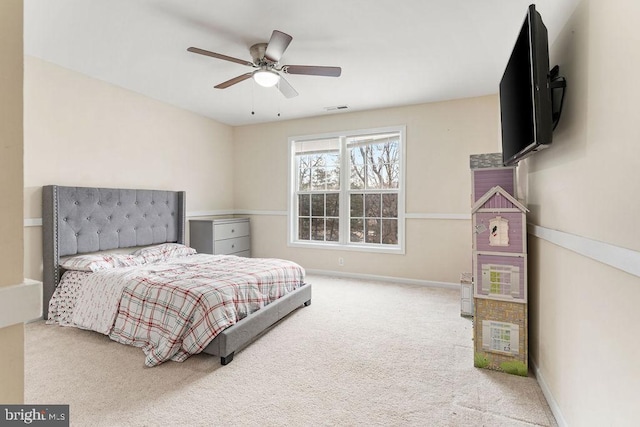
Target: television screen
(525,95)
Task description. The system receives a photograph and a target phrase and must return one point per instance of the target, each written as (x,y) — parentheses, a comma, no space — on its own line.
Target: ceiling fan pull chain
(278,99)
(253,112)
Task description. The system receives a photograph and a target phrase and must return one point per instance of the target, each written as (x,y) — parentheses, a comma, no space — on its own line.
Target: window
(500,337)
(501,280)
(347,190)
(499,235)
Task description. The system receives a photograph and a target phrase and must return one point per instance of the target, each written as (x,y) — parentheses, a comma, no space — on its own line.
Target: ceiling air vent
(337,107)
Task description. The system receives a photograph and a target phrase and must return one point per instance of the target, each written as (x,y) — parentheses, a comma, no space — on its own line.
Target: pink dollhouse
(499,269)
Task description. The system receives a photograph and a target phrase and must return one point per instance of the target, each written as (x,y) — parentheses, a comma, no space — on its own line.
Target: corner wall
(82,131)
(11,146)
(583,320)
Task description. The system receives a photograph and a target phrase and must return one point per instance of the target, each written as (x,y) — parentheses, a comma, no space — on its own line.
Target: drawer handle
(233,246)
(233,230)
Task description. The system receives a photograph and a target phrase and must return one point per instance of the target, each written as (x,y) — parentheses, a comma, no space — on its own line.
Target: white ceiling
(392,52)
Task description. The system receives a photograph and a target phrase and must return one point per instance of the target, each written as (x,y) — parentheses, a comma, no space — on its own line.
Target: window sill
(395,250)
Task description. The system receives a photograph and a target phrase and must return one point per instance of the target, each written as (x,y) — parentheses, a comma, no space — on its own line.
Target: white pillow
(97,262)
(163,252)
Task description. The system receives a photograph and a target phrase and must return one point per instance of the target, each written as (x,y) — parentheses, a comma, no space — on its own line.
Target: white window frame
(344,243)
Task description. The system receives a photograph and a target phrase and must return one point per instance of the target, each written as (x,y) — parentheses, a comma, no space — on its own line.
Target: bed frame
(78,220)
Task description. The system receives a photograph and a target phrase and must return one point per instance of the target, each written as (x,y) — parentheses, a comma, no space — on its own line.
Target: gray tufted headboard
(79,220)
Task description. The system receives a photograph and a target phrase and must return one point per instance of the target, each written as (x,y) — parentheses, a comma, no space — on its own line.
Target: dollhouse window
(499,232)
(500,336)
(501,280)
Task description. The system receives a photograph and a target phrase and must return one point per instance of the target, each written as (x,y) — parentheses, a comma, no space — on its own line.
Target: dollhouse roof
(498,199)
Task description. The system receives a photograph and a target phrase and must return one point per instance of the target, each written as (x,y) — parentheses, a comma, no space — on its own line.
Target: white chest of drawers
(225,236)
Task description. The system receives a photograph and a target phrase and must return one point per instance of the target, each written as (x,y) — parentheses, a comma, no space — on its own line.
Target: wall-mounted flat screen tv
(525,95)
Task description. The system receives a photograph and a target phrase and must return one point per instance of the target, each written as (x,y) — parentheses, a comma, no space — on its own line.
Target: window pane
(317,205)
(357,231)
(317,229)
(383,165)
(372,230)
(304,206)
(318,178)
(304,228)
(333,230)
(333,178)
(357,205)
(377,152)
(333,204)
(357,177)
(332,159)
(357,155)
(318,160)
(382,176)
(373,179)
(392,175)
(389,231)
(325,170)
(304,179)
(390,206)
(372,205)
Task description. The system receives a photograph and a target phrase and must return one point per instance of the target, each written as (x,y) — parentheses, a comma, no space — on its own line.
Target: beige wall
(440,137)
(82,131)
(582,313)
(11,143)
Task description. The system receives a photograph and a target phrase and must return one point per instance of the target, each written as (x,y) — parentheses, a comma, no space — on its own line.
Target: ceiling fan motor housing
(257,52)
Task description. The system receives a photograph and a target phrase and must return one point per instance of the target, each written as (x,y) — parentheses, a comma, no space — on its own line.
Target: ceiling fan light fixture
(266,78)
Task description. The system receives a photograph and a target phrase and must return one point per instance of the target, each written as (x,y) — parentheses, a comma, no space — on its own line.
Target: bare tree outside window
(375,169)
(318,209)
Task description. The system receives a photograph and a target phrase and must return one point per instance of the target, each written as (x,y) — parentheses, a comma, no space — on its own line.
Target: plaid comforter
(174,309)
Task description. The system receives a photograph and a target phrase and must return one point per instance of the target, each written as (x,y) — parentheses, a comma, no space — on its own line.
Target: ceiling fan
(267,71)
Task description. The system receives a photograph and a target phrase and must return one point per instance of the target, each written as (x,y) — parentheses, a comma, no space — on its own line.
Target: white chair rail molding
(20,303)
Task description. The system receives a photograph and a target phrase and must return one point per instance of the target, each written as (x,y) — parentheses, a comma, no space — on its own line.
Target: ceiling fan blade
(286,89)
(313,70)
(278,43)
(233,81)
(220,56)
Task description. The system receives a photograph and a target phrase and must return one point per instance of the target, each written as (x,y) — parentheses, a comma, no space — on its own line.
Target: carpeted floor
(363,353)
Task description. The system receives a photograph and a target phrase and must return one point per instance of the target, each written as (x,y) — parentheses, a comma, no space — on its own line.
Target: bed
(84,221)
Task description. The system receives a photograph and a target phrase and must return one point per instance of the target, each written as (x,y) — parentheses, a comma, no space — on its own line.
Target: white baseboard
(430,283)
(553,405)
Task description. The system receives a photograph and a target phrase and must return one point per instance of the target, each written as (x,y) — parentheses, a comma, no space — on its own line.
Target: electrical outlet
(340,261)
